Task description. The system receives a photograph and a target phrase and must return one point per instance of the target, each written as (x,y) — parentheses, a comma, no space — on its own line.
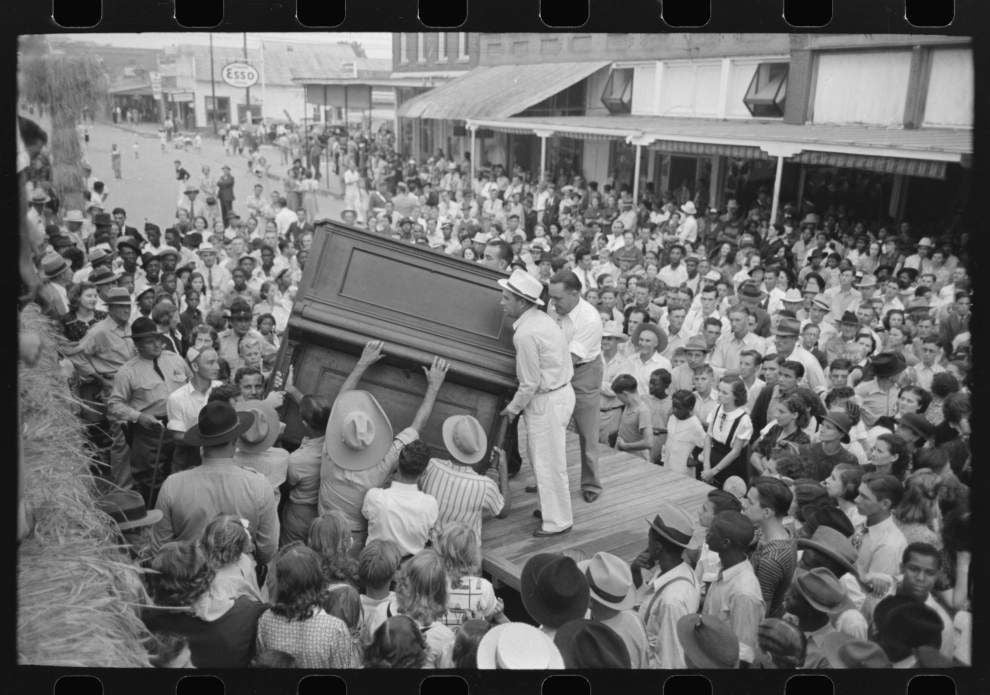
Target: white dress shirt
(725,355)
(582,328)
(640,370)
(401,514)
(184,404)
(543,360)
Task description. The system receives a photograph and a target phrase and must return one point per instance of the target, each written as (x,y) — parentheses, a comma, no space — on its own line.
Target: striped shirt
(774,563)
(463,495)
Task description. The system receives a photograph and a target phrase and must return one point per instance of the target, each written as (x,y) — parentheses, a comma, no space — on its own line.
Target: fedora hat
(524,285)
(689,209)
(918,424)
(358,432)
(822,590)
(821,302)
(74,216)
(129,243)
(518,647)
(218,424)
(888,364)
(841,420)
(780,638)
(925,241)
(39,197)
(167,251)
(674,524)
(613,329)
(849,319)
(708,642)
(464,438)
(793,296)
(191,188)
(713,276)
(102,219)
(867,282)
(102,276)
(263,431)
(53,265)
(142,327)
(206,247)
(99,253)
(842,651)
(911,623)
(590,644)
(829,542)
(920,304)
(553,590)
(788,327)
(146,290)
(610,581)
(696,343)
(749,290)
(128,509)
(118,295)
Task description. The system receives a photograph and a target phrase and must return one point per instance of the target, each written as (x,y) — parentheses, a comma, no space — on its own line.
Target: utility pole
(247,91)
(213,86)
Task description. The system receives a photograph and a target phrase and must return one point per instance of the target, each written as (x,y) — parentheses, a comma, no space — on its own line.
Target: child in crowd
(469,596)
(377,565)
(705,396)
(636,422)
(685,434)
(344,602)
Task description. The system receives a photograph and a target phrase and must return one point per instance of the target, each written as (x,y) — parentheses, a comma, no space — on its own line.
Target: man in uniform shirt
(100,355)
(185,403)
(544,397)
(582,327)
(140,392)
(230,340)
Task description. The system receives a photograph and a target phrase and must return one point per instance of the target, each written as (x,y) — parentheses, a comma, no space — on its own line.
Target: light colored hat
(98,253)
(481,238)
(191,188)
(925,241)
(523,285)
(263,431)
(610,581)
(735,486)
(613,329)
(39,196)
(713,276)
(793,295)
(689,209)
(74,216)
(867,282)
(206,247)
(821,302)
(358,432)
(465,438)
(53,265)
(673,523)
(518,646)
(696,343)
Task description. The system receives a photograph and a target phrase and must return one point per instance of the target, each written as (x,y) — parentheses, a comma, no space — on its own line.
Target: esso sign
(240,75)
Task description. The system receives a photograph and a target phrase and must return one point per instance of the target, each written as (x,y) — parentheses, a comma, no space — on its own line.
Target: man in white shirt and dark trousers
(545,397)
(582,327)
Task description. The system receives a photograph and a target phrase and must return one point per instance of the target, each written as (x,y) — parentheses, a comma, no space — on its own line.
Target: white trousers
(542,430)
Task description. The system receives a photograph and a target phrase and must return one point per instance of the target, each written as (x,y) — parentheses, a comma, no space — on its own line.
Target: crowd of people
(814,370)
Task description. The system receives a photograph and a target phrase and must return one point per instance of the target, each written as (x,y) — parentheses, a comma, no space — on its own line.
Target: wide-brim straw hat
(518,646)
(263,431)
(464,438)
(358,432)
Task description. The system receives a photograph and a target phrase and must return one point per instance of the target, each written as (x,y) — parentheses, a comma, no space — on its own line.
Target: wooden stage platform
(616,522)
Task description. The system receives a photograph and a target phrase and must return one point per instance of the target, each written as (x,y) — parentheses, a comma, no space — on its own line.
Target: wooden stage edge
(616,522)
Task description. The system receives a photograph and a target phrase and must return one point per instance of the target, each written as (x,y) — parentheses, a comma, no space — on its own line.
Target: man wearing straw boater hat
(191,499)
(463,495)
(360,450)
(138,400)
(545,398)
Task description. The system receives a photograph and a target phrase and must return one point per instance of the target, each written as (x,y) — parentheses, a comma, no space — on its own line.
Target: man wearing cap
(462,494)
(191,499)
(544,398)
(878,397)
(786,341)
(185,403)
(582,328)
(735,595)
(673,592)
(138,400)
(241,319)
(360,451)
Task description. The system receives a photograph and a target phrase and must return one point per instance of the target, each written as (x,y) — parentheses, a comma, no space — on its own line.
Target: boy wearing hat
(878,396)
(138,400)
(461,493)
(544,398)
(822,456)
(673,592)
(191,499)
(735,596)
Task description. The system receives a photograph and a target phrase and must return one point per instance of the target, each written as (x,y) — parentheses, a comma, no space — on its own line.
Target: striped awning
(705,149)
(886,165)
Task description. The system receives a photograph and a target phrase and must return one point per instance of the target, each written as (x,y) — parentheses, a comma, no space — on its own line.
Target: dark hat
(118,295)
(554,591)
(674,524)
(909,623)
(888,364)
(849,318)
(240,309)
(841,420)
(723,501)
(822,590)
(129,243)
(102,219)
(128,509)
(142,327)
(708,642)
(102,276)
(832,544)
(218,424)
(828,517)
(842,651)
(750,290)
(788,327)
(61,242)
(591,644)
(149,227)
(781,638)
(808,491)
(918,424)
(912,273)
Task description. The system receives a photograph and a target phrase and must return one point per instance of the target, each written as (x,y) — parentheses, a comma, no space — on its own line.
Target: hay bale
(77,591)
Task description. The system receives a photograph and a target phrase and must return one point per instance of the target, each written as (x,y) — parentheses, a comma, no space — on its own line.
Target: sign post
(242,76)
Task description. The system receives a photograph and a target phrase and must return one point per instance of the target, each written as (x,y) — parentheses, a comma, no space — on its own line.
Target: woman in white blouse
(729,432)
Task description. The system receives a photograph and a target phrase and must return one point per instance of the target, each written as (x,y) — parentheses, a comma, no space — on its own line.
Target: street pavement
(148,189)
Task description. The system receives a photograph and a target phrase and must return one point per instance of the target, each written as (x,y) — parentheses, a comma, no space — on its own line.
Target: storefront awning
(702,149)
(498,91)
(885,165)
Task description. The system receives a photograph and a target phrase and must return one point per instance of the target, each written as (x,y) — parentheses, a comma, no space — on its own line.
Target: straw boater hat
(553,590)
(102,276)
(793,296)
(358,432)
(128,509)
(119,296)
(518,646)
(613,329)
(689,209)
(263,431)
(610,581)
(464,438)
(218,424)
(53,265)
(524,285)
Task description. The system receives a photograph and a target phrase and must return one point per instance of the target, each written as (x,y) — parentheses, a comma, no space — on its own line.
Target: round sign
(239,75)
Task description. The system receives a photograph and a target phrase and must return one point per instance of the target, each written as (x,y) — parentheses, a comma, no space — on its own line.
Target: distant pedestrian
(162,138)
(198,142)
(115,156)
(136,149)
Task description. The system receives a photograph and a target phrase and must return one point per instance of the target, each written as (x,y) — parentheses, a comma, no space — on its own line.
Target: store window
(617,95)
(767,91)
(462,45)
